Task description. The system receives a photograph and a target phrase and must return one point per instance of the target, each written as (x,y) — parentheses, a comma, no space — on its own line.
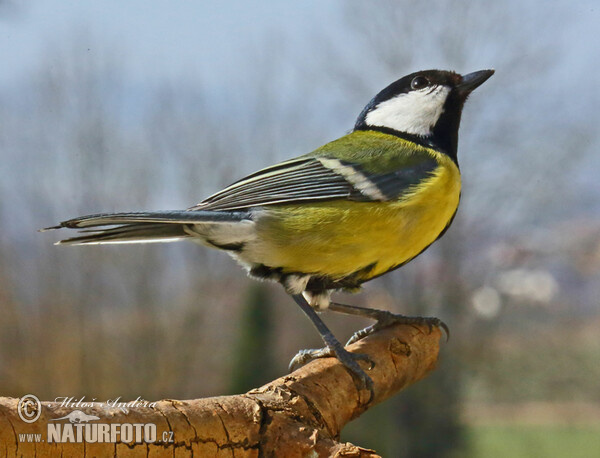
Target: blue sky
(184,41)
(207,45)
(160,39)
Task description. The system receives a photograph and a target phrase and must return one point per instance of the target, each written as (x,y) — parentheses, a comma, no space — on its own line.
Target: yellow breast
(339,238)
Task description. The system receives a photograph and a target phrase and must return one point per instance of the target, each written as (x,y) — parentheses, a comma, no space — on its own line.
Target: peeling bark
(299,415)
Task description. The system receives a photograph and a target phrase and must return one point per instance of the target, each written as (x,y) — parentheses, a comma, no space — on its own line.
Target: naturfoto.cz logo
(103,432)
(29,408)
(78,426)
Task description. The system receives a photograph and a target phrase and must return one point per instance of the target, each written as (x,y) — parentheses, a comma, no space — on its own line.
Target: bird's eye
(419,82)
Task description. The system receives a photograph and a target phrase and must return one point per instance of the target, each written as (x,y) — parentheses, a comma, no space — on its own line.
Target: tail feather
(142,227)
(131,233)
(170,217)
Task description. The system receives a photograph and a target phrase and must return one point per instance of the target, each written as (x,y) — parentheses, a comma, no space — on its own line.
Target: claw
(367,384)
(349,360)
(387,319)
(436,322)
(363,357)
(444,326)
(305,356)
(360,334)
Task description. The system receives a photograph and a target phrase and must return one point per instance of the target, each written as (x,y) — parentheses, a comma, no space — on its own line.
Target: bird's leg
(384,319)
(333,348)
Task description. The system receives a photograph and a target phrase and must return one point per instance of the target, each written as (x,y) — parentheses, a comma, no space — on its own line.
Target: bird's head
(426,105)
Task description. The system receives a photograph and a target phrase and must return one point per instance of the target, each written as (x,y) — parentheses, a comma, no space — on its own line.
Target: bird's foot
(307,355)
(385,319)
(349,360)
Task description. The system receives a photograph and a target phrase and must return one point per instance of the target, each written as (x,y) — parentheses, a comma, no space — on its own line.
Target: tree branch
(299,414)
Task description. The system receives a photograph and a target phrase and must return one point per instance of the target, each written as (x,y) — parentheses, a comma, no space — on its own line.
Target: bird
(350,211)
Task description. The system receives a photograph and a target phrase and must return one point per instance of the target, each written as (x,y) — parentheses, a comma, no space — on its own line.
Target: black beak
(473,80)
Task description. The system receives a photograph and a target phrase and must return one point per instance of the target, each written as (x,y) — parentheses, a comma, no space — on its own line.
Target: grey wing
(315,179)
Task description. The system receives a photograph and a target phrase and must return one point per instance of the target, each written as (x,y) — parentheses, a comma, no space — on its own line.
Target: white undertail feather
(295,284)
(319,301)
(415,112)
(223,233)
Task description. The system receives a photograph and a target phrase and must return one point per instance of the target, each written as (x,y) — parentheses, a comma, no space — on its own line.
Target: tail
(150,227)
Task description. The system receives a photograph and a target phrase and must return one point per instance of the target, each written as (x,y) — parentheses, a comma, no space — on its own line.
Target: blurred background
(146,105)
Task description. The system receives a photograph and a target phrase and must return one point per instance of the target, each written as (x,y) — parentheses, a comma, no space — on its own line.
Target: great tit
(352,210)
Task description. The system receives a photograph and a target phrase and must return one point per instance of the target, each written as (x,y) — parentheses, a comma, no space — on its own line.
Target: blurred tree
(101,322)
(400,37)
(79,137)
(252,357)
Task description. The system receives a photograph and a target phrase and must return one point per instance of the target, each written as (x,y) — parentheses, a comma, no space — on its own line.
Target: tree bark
(300,414)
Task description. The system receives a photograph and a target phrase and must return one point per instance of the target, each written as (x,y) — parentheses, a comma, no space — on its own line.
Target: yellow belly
(339,238)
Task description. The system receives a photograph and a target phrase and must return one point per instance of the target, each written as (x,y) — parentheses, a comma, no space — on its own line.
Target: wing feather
(317,178)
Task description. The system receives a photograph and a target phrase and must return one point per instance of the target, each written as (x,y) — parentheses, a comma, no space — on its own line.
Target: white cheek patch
(415,112)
